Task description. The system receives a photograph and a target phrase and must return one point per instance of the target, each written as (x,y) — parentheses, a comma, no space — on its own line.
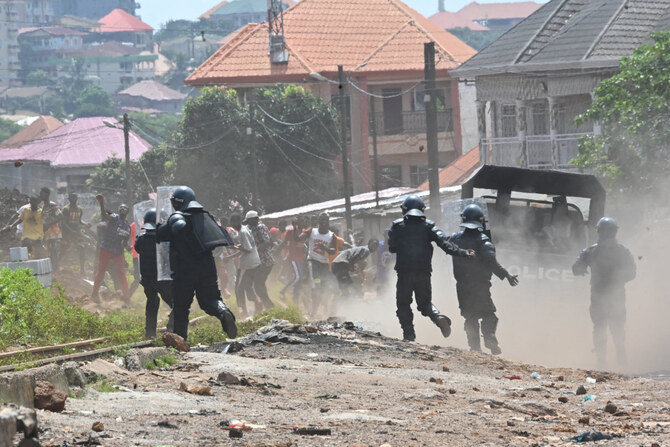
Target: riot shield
(163,211)
(139,209)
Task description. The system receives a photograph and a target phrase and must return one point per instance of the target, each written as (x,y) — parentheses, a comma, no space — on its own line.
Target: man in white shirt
(249,260)
(321,243)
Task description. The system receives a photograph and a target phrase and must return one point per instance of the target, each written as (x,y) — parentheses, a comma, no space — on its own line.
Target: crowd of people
(315,267)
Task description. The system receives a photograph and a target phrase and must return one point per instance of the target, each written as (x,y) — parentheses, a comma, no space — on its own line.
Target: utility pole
(345,157)
(254,160)
(375,155)
(126,139)
(430,100)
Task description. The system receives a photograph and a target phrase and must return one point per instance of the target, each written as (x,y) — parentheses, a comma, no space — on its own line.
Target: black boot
(408,334)
(441,321)
(227,320)
(489,326)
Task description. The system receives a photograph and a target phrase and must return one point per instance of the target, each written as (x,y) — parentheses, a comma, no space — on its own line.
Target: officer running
(410,238)
(189,232)
(145,245)
(473,280)
(612,266)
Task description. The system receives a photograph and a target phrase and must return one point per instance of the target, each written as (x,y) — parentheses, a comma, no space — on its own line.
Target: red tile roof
(458,171)
(372,36)
(39,128)
(207,14)
(513,10)
(82,142)
(153,90)
(119,21)
(449,20)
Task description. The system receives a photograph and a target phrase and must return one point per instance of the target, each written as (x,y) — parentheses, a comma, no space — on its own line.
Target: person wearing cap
(154,290)
(114,241)
(473,280)
(411,239)
(611,266)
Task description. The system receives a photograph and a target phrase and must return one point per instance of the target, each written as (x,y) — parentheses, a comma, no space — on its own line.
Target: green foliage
(39,78)
(476,39)
(633,108)
(297,158)
(104,386)
(164,362)
(30,313)
(93,101)
(8,128)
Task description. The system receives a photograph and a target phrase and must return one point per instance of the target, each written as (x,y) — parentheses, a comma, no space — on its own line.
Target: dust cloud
(547,322)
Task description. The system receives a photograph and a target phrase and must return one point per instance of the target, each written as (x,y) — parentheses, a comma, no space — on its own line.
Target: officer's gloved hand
(470,254)
(513,279)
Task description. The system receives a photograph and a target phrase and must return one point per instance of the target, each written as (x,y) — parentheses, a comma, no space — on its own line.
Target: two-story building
(534,80)
(120,26)
(380,44)
(51,43)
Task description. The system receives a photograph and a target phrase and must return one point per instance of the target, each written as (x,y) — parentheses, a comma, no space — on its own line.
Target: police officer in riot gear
(193,266)
(612,266)
(411,239)
(473,280)
(154,290)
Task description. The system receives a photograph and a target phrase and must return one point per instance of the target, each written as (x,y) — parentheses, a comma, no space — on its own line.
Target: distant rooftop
(53,30)
(487,11)
(119,21)
(39,128)
(449,20)
(154,91)
(82,142)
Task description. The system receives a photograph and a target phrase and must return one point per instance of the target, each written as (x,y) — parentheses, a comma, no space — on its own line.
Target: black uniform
(611,266)
(145,245)
(194,272)
(411,239)
(473,287)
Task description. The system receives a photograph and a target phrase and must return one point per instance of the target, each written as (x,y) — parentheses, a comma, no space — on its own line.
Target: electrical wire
(277,120)
(373,95)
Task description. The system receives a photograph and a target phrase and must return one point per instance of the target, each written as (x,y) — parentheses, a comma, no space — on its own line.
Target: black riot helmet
(183,198)
(472,217)
(150,219)
(413,206)
(607,228)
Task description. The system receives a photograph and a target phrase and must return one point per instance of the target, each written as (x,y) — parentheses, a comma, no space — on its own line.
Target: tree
(39,78)
(211,155)
(8,128)
(296,160)
(93,101)
(633,108)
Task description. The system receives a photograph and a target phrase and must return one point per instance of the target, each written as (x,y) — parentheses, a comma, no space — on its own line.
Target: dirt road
(368,390)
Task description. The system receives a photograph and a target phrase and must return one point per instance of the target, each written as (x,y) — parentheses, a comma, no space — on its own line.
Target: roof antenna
(277,44)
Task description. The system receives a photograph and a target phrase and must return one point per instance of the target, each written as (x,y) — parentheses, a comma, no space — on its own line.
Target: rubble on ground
(333,383)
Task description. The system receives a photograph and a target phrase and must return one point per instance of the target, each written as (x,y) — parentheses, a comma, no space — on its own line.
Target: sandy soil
(369,390)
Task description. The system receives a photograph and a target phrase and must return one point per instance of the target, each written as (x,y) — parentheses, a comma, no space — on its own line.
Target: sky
(157,12)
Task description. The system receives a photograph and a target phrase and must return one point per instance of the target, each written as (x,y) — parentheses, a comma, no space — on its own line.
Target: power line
(277,120)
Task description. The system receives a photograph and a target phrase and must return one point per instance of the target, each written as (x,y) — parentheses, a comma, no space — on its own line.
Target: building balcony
(410,122)
(535,151)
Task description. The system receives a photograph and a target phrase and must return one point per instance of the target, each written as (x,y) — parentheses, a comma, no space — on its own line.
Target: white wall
(467,94)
